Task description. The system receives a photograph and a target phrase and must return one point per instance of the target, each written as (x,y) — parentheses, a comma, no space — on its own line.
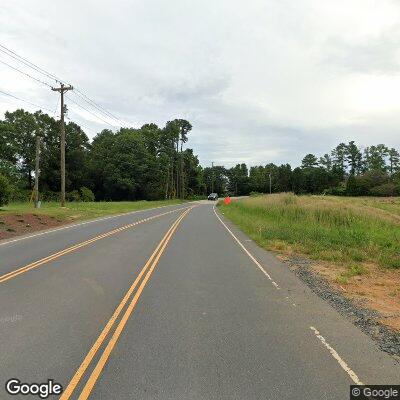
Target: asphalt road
(172,303)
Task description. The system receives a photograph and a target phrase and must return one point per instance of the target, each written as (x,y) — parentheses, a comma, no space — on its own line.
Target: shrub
(48,195)
(20,195)
(73,196)
(387,189)
(86,194)
(5,190)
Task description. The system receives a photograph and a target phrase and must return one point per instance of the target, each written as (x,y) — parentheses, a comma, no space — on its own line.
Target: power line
(25,101)
(44,108)
(25,73)
(48,74)
(80,124)
(55,110)
(103,112)
(90,112)
(82,95)
(28,63)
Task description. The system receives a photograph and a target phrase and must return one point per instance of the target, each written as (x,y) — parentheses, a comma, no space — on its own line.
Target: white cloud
(261,81)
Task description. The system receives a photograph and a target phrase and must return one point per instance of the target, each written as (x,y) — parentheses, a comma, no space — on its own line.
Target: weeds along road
(172,303)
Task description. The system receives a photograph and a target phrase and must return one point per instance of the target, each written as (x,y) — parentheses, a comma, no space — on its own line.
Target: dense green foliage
(345,171)
(339,230)
(130,164)
(5,190)
(151,163)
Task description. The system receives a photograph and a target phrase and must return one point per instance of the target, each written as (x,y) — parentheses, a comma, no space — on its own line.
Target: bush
(48,195)
(387,189)
(86,194)
(255,194)
(20,195)
(5,190)
(73,196)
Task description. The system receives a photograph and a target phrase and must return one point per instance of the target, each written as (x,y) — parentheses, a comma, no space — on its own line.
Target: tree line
(346,170)
(130,164)
(154,162)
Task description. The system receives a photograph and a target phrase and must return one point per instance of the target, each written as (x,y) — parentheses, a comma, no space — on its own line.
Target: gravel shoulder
(365,318)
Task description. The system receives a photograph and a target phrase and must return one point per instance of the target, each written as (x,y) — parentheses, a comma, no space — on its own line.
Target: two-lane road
(171,303)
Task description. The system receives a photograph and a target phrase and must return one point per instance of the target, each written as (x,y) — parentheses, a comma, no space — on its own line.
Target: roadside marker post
(227,200)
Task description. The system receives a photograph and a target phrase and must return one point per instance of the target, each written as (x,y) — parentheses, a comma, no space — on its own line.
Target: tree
(239,180)
(374,158)
(326,162)
(5,190)
(394,161)
(219,175)
(21,128)
(284,178)
(339,160)
(353,158)
(309,161)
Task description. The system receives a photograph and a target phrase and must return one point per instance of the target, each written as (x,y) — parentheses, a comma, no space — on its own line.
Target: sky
(260,81)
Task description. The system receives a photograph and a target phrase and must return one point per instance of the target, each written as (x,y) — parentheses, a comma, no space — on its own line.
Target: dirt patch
(376,289)
(371,300)
(20,224)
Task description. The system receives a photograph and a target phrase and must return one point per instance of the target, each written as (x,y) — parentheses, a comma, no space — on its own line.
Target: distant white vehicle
(213,196)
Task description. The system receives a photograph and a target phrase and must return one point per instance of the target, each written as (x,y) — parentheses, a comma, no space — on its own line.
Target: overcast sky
(260,81)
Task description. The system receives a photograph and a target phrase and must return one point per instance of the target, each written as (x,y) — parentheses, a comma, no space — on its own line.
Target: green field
(80,211)
(348,231)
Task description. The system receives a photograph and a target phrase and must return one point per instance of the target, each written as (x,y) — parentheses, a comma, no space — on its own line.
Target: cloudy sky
(260,80)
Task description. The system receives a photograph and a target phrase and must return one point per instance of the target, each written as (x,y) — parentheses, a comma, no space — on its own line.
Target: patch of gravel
(364,318)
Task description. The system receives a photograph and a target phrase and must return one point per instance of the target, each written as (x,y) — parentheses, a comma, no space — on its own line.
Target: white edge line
(48,231)
(247,252)
(333,352)
(336,356)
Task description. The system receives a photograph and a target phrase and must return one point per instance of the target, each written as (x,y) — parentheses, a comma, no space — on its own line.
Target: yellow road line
(114,338)
(92,352)
(13,274)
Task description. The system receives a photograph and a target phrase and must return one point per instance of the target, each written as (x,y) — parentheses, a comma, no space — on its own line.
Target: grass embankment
(341,230)
(80,211)
(355,242)
(21,218)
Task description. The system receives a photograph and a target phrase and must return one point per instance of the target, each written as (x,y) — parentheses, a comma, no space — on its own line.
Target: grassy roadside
(22,218)
(345,231)
(81,211)
(354,242)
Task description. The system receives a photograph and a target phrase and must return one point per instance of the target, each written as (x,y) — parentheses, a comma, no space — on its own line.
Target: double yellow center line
(148,270)
(26,268)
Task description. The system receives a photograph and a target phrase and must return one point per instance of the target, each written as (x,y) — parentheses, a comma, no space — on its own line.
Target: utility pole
(62,89)
(37,171)
(270,184)
(182,196)
(212,177)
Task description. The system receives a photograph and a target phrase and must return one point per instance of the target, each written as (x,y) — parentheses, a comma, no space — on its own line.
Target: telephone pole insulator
(62,89)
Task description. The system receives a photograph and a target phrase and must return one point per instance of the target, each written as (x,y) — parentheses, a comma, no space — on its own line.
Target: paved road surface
(170,303)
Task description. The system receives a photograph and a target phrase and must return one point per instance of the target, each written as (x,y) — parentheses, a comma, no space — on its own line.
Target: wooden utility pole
(182,196)
(270,183)
(62,89)
(37,171)
(212,177)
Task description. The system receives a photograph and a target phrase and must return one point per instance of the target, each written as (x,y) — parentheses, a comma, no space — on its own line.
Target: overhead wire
(28,63)
(48,74)
(25,73)
(25,101)
(43,108)
(90,112)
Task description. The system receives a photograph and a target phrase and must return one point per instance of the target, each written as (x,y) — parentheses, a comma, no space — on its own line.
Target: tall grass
(80,211)
(338,230)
